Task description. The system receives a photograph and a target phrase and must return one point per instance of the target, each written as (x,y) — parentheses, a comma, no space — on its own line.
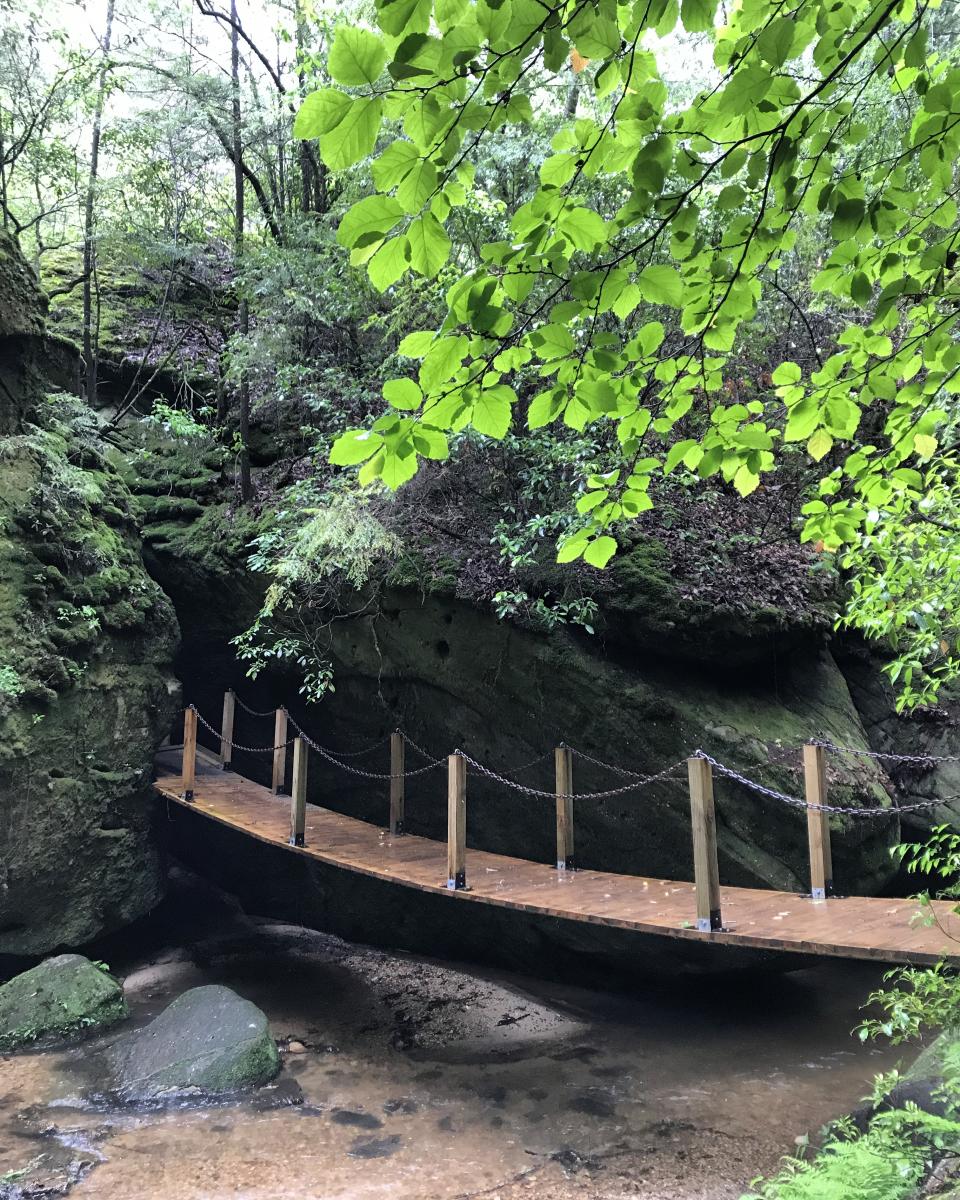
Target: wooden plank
(818,822)
(189,752)
(456,822)
(870,928)
(298,792)
(396,783)
(226,728)
(563,764)
(279,751)
(706,869)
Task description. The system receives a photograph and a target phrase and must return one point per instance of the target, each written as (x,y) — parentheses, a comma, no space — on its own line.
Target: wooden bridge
(749,918)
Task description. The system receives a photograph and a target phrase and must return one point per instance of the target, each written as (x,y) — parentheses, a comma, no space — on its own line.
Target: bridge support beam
(189,752)
(298,793)
(563,763)
(396,783)
(818,823)
(456,822)
(226,728)
(706,869)
(279,751)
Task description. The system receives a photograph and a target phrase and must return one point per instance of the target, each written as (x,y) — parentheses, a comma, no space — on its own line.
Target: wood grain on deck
(856,927)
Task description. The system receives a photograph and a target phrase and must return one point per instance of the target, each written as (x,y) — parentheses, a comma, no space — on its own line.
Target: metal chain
(526,766)
(886,756)
(639,781)
(413,745)
(324,753)
(598,762)
(218,734)
(530,791)
(252,711)
(796,802)
(341,753)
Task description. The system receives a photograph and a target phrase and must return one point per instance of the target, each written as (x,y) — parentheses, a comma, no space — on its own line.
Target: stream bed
(435,1081)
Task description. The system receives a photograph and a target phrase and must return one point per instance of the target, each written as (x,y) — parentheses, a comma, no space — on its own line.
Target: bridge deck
(855,927)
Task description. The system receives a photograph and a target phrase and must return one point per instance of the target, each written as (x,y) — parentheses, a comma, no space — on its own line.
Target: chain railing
(927,760)
(701,768)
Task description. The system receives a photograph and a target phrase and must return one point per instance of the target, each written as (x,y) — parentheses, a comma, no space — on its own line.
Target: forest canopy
(591,260)
(627,277)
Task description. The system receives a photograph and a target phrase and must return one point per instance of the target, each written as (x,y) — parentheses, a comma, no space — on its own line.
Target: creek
(428,1080)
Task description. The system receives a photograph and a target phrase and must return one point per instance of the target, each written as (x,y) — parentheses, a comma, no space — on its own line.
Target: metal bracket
(297,841)
(187,796)
(711,924)
(459,884)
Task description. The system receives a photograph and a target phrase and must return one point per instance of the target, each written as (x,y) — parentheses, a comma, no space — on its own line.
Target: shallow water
(421,1080)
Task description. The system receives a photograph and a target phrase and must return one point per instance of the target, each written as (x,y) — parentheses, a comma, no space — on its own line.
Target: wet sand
(427,1081)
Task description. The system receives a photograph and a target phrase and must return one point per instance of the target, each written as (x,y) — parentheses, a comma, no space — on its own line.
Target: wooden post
(706,870)
(189,752)
(396,783)
(456,822)
(226,729)
(818,823)
(563,762)
(298,792)
(279,751)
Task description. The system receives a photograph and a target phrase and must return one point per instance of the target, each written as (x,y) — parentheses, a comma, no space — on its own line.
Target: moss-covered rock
(209,1041)
(86,692)
(60,998)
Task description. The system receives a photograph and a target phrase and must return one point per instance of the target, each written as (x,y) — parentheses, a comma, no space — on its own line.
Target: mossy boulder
(61,998)
(208,1042)
(87,693)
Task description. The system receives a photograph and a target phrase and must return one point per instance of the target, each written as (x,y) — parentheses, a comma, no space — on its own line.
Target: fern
(884,1163)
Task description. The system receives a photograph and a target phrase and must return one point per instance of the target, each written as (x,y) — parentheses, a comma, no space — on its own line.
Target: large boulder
(87,640)
(60,998)
(209,1041)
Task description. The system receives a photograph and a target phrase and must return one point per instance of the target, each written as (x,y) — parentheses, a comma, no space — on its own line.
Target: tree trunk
(243,321)
(90,341)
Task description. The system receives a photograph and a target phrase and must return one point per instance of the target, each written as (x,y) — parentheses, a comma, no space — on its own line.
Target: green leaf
(552,341)
(544,408)
(697,15)
(572,547)
(584,227)
(402,393)
(776,41)
(418,186)
(443,360)
(860,289)
(354,446)
(388,264)
(398,17)
(787,373)
(354,134)
(661,285)
(393,164)
(430,442)
(745,481)
(819,445)
(492,411)
(369,220)
(600,551)
(356,57)
(320,112)
(398,468)
(675,454)
(429,245)
(416,345)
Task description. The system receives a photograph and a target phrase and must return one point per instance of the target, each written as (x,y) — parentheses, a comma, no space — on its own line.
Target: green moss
(643,584)
(58,999)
